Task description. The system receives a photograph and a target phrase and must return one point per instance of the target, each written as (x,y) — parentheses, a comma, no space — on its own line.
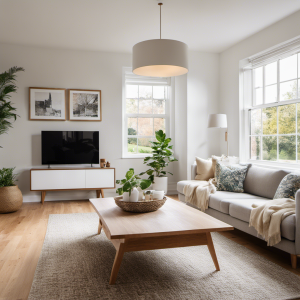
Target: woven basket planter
(11,199)
(141,206)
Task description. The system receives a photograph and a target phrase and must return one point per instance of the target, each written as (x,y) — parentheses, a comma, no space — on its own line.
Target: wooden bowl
(141,206)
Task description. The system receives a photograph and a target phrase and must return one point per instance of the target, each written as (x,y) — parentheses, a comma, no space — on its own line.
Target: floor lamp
(219,121)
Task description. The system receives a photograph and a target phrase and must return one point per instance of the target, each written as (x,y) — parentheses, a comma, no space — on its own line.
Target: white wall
(63,69)
(195,97)
(202,100)
(180,125)
(229,70)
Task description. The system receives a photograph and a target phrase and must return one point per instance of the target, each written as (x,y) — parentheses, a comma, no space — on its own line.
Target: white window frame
(129,78)
(247,98)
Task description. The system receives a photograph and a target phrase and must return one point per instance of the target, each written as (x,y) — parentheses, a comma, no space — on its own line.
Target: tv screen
(70,147)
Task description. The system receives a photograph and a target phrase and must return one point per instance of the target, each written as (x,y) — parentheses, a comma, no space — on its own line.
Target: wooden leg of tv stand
(43,196)
(98,193)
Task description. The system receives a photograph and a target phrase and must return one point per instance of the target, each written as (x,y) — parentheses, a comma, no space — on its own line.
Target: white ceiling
(116,25)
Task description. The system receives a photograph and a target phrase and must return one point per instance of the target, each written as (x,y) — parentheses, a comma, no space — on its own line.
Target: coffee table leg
(117,264)
(212,251)
(99,227)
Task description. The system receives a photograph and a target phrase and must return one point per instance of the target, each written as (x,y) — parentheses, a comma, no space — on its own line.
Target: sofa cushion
(221,200)
(241,209)
(263,182)
(205,169)
(230,178)
(288,186)
(181,184)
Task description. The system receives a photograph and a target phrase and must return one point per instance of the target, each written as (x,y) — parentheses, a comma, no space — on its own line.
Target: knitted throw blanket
(267,218)
(197,192)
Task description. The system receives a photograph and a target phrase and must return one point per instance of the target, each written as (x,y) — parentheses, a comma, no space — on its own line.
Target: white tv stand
(65,179)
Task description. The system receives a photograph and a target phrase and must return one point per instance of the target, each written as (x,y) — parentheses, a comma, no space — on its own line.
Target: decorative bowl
(140,206)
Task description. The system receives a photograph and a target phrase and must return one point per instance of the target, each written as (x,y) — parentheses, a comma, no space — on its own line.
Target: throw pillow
(230,178)
(214,160)
(204,169)
(288,186)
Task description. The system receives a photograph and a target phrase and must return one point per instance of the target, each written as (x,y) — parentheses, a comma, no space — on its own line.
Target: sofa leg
(294,261)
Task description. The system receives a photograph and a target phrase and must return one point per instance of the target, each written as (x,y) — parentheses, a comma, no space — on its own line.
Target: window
(274,115)
(146,102)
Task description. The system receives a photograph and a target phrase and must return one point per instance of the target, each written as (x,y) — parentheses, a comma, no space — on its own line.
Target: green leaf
(118,181)
(160,136)
(129,174)
(151,178)
(150,172)
(119,191)
(167,141)
(127,187)
(144,184)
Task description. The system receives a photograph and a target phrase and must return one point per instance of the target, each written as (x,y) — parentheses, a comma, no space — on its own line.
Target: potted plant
(11,198)
(9,192)
(130,185)
(162,155)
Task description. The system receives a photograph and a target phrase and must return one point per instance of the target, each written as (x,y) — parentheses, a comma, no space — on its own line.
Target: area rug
(75,263)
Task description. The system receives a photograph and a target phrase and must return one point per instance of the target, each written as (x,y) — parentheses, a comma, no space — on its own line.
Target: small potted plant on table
(162,155)
(130,185)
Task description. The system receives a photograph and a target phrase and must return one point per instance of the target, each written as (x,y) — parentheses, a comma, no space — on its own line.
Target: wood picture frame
(47,104)
(85,105)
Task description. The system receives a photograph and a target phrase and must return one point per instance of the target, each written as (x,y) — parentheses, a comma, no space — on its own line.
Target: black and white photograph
(47,104)
(85,105)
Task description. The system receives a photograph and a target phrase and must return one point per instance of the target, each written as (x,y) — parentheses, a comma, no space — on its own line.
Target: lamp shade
(217,121)
(160,58)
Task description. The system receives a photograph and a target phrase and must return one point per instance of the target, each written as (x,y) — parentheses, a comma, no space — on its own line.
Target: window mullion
(277,112)
(278,82)
(261,134)
(296,130)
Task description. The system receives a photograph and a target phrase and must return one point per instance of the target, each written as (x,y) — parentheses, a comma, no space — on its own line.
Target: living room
(223,51)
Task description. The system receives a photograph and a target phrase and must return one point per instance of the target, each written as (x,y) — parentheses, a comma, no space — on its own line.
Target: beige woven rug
(75,263)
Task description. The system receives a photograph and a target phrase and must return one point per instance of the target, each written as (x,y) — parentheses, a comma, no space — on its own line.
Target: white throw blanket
(197,192)
(267,218)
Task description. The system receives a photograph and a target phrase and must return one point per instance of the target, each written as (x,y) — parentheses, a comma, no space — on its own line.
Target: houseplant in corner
(130,185)
(10,196)
(162,155)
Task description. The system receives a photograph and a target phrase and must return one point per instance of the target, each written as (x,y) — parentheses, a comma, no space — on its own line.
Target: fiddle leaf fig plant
(132,181)
(162,156)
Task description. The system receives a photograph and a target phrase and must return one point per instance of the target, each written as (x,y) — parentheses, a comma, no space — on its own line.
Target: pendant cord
(160,4)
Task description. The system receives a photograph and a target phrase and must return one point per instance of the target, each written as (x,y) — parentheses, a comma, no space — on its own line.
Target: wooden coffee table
(174,225)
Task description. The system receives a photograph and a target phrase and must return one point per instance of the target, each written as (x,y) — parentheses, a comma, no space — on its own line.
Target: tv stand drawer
(100,177)
(57,179)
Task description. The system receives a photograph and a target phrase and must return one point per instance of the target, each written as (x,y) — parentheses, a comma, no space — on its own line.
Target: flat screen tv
(70,147)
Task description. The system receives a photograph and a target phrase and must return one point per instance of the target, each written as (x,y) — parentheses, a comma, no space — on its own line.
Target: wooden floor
(22,234)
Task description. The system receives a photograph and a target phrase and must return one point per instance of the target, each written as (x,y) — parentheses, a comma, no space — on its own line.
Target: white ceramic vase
(160,184)
(134,197)
(141,195)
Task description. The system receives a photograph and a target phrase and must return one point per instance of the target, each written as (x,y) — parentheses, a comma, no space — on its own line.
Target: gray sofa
(260,186)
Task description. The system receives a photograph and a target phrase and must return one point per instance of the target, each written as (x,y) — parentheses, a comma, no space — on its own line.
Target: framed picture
(47,104)
(85,105)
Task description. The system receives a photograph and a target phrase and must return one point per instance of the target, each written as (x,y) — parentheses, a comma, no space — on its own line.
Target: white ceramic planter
(134,197)
(160,184)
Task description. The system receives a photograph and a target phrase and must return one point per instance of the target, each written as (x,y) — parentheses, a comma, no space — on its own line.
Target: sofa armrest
(297,229)
(193,171)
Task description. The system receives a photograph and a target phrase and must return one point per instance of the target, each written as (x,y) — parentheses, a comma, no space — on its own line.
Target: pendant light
(160,57)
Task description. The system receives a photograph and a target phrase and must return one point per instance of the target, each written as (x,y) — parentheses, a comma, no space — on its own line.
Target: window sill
(275,164)
(136,155)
